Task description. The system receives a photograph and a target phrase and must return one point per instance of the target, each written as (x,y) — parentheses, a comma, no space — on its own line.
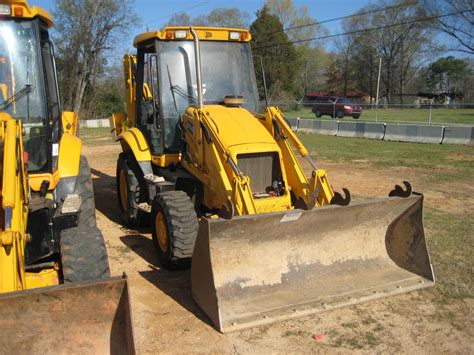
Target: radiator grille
(262,168)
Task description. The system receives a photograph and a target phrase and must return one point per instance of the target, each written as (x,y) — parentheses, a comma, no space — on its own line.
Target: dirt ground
(166,319)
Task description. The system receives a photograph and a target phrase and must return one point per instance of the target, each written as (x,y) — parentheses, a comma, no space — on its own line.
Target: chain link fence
(428,113)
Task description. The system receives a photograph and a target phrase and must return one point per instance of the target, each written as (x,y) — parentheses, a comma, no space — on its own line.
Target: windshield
(21,86)
(227,69)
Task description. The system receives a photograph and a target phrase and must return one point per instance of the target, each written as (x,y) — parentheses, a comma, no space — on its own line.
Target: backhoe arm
(14,196)
(318,188)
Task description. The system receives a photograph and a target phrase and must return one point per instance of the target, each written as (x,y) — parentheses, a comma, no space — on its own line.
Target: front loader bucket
(80,318)
(259,269)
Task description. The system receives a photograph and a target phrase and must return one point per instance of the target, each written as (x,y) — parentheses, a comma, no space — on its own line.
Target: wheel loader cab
(29,89)
(166,79)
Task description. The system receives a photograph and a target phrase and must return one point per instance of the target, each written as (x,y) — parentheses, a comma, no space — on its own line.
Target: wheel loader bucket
(258,269)
(80,318)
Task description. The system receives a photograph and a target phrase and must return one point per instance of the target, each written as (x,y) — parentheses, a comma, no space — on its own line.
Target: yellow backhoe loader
(223,188)
(56,293)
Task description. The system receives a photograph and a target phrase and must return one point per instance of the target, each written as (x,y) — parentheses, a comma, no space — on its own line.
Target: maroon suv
(335,106)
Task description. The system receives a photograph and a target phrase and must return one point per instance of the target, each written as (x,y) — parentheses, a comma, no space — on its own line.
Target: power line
(364,30)
(345,17)
(182,10)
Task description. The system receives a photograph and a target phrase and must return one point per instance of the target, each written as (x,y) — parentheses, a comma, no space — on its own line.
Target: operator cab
(166,83)
(28,87)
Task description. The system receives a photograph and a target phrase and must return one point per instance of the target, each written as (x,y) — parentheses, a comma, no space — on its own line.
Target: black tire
(318,114)
(340,114)
(178,218)
(83,255)
(84,188)
(135,190)
(356,117)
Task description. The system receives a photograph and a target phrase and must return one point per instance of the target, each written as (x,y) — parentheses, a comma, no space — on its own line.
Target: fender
(132,139)
(135,140)
(69,156)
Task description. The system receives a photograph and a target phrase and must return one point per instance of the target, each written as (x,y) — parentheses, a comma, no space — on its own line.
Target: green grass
(389,154)
(451,245)
(297,333)
(439,115)
(96,136)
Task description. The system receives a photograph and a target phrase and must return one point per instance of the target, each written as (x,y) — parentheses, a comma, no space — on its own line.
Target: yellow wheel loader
(222,187)
(56,293)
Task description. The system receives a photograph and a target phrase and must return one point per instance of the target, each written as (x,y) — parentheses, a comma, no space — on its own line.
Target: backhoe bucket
(80,318)
(259,269)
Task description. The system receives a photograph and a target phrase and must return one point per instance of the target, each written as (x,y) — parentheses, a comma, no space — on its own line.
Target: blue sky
(155,13)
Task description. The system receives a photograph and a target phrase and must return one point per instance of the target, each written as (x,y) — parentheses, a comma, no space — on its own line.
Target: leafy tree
(279,57)
(295,20)
(445,73)
(292,16)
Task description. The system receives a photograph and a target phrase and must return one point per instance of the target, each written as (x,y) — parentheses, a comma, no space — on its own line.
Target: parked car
(335,106)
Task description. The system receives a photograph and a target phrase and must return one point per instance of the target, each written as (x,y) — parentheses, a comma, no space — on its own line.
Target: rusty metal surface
(79,318)
(259,269)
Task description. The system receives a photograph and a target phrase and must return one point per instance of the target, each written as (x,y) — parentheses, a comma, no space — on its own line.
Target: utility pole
(378,88)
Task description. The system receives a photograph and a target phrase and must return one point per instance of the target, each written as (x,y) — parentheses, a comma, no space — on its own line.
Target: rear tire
(130,192)
(174,229)
(356,117)
(318,114)
(340,114)
(84,189)
(83,255)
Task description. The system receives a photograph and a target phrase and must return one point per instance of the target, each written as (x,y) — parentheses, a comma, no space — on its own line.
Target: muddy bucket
(79,318)
(258,269)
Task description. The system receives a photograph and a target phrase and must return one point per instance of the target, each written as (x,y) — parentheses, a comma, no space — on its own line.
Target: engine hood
(238,127)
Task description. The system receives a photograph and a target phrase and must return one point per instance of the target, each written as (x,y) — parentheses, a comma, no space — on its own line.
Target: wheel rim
(161,232)
(123,190)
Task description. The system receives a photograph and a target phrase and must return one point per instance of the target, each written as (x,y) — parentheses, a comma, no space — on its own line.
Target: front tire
(84,189)
(174,229)
(340,114)
(130,192)
(318,114)
(83,255)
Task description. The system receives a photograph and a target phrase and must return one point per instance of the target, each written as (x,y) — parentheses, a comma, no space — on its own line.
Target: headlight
(180,34)
(234,36)
(5,10)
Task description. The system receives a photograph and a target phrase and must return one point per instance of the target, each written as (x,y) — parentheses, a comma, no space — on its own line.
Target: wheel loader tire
(83,188)
(83,255)
(174,229)
(130,191)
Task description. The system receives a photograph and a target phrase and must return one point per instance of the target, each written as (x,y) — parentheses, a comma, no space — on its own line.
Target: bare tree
(86,30)
(223,17)
(459,26)
(179,19)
